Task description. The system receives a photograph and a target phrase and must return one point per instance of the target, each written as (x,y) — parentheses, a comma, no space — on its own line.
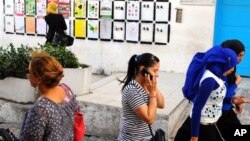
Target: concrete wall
(195,33)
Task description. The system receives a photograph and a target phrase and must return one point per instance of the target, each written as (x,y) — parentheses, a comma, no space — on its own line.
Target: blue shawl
(216,59)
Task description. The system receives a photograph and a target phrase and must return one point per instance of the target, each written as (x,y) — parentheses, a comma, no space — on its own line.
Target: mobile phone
(145,71)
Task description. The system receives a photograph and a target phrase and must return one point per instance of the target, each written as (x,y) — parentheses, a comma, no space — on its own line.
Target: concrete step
(102,107)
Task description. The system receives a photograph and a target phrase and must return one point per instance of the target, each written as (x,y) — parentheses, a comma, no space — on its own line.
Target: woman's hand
(238,101)
(194,139)
(238,80)
(151,85)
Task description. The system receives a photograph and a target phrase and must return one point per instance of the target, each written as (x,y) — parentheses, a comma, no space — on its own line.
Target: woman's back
(47,120)
(56,23)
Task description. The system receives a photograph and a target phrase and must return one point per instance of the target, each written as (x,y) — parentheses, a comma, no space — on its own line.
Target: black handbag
(159,135)
(62,40)
(70,40)
(7,135)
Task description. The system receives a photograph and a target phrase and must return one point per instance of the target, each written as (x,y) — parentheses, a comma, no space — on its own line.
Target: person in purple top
(204,87)
(51,117)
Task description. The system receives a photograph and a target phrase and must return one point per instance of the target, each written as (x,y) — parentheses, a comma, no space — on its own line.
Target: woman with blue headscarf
(204,87)
(231,101)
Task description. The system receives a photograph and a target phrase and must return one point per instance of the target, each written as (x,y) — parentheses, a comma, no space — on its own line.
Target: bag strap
(69,92)
(151,131)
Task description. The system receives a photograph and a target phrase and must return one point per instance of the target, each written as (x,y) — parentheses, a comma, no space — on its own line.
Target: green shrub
(62,54)
(15,60)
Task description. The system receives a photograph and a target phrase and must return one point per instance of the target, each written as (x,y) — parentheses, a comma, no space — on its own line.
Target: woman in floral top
(52,115)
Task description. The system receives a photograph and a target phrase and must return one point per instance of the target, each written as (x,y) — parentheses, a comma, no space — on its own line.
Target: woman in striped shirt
(140,98)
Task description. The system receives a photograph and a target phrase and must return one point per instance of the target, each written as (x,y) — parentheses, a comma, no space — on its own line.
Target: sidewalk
(106,91)
(102,106)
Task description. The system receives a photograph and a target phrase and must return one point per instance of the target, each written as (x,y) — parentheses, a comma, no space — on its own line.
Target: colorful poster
(40,8)
(93,9)
(9,24)
(105,29)
(133,10)
(161,33)
(80,28)
(106,9)
(80,8)
(30,7)
(146,32)
(147,11)
(64,8)
(93,29)
(119,31)
(30,25)
(19,7)
(161,11)
(19,24)
(48,1)
(9,7)
(132,31)
(40,26)
(119,10)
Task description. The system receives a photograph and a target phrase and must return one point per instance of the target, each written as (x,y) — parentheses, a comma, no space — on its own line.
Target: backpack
(193,76)
(7,135)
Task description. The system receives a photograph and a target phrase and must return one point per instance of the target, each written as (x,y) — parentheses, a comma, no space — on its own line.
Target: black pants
(227,120)
(206,132)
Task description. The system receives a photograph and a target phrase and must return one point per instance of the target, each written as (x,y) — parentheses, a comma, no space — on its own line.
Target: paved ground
(106,90)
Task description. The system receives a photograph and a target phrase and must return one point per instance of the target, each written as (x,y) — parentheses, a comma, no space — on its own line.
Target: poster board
(80,8)
(19,7)
(119,31)
(161,33)
(40,26)
(9,7)
(93,9)
(80,28)
(30,7)
(132,31)
(105,29)
(30,25)
(19,24)
(119,10)
(9,24)
(64,8)
(93,29)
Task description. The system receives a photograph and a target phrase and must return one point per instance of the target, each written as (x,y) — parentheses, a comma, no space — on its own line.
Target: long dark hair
(237,46)
(145,59)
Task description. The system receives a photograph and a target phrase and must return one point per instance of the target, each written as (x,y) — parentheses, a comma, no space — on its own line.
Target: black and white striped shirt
(132,127)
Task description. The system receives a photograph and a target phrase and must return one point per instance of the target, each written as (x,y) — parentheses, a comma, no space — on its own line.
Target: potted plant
(76,75)
(13,64)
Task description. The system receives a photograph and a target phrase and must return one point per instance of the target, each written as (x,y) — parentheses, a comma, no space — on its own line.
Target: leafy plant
(62,54)
(14,60)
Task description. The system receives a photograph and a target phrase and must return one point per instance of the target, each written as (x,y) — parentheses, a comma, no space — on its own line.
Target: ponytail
(132,70)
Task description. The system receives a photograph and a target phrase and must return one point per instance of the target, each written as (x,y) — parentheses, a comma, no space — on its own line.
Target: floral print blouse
(48,121)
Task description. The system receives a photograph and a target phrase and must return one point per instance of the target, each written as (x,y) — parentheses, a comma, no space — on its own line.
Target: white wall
(195,33)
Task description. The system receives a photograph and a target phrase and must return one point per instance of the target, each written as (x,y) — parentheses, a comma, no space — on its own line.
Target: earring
(37,90)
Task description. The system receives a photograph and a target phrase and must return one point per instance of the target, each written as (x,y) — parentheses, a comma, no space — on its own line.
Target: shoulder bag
(62,40)
(79,124)
(159,134)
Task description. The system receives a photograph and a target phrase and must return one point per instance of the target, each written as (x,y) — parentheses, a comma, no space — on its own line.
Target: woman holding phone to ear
(140,98)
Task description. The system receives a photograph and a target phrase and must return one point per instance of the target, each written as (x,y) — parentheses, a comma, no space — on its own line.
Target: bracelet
(152,96)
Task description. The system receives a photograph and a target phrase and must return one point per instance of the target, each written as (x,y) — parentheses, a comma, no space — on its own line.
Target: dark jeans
(206,132)
(227,120)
